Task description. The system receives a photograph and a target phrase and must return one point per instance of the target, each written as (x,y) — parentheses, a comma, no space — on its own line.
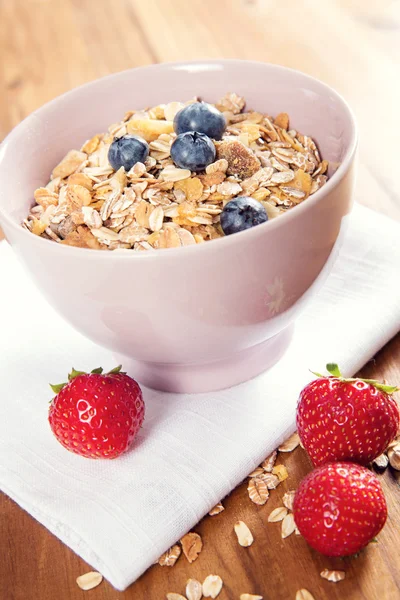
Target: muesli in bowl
(177,174)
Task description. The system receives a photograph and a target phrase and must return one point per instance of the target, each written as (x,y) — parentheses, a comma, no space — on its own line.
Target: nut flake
(278,514)
(169,558)
(191,546)
(218,508)
(244,535)
(212,585)
(381,461)
(89,580)
(250,597)
(288,499)
(257,156)
(194,590)
(269,462)
(174,596)
(334,576)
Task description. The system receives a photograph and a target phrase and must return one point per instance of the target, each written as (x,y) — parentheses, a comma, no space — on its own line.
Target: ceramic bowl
(201,317)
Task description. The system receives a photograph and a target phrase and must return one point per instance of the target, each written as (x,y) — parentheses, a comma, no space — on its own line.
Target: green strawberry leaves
(74,373)
(334,371)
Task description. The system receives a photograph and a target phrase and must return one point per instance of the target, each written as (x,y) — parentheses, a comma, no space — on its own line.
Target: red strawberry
(346,419)
(339,508)
(97,415)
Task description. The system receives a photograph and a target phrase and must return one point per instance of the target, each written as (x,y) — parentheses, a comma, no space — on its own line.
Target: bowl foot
(207,377)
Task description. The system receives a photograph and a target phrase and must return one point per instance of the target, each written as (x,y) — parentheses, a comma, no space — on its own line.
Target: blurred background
(50,46)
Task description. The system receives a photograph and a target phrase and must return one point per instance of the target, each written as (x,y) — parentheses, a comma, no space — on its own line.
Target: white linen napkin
(121,515)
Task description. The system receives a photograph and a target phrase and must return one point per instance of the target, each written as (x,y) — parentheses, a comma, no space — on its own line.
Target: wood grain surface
(50,46)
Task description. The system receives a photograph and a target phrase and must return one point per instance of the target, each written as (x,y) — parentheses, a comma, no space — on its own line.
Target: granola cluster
(157,205)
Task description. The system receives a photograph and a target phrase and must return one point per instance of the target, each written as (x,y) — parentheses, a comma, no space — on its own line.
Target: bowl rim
(126,254)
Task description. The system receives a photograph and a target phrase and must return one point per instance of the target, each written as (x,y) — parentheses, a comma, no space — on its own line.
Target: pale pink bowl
(195,318)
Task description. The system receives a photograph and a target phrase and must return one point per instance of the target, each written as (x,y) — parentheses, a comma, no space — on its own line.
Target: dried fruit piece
(258,491)
(149,129)
(282,120)
(89,580)
(288,499)
(192,188)
(194,590)
(218,508)
(290,444)
(82,237)
(191,545)
(281,472)
(278,514)
(244,535)
(91,145)
(288,526)
(241,160)
(169,558)
(212,585)
(70,163)
(334,576)
(45,198)
(304,594)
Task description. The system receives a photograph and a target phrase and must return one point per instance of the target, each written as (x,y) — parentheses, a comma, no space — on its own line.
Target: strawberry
(346,419)
(97,415)
(339,508)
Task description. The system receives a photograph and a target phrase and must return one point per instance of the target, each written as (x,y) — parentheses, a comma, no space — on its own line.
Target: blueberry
(126,151)
(242,213)
(193,150)
(201,117)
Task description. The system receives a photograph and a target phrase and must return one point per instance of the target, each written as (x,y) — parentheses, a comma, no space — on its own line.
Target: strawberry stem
(334,371)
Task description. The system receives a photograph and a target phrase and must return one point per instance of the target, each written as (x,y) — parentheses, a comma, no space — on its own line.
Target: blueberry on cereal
(200,117)
(242,213)
(193,151)
(126,151)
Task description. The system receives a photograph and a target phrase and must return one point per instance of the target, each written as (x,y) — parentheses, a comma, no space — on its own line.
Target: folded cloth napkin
(121,515)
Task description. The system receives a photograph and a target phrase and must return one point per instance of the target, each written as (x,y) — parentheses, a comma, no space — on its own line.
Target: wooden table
(50,46)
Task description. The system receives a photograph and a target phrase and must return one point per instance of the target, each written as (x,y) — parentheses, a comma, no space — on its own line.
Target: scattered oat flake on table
(288,499)
(278,514)
(174,596)
(90,580)
(194,590)
(244,535)
(281,472)
(212,585)
(258,490)
(271,480)
(250,597)
(169,558)
(288,526)
(218,508)
(269,462)
(290,444)
(191,545)
(257,472)
(334,576)
(304,594)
